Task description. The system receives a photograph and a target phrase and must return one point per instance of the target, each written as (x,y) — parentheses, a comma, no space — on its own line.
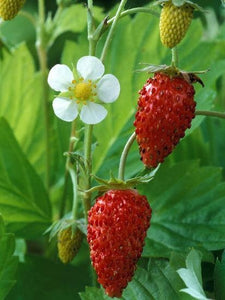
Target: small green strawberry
(174,22)
(69,244)
(10,8)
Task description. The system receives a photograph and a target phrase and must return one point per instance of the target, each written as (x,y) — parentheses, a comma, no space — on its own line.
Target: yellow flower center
(83,90)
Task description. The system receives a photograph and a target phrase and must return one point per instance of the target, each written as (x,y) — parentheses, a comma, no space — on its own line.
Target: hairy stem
(88,164)
(124,156)
(134,11)
(112,29)
(210,113)
(174,62)
(73,176)
(41,11)
(66,176)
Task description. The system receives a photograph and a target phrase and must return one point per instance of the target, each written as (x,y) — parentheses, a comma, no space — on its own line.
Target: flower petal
(108,88)
(65,109)
(93,113)
(90,67)
(60,78)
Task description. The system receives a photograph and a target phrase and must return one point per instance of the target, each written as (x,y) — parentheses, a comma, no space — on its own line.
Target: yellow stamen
(83,90)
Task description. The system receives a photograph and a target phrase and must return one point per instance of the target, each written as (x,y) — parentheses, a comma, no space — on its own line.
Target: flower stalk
(216,114)
(73,176)
(174,62)
(66,176)
(112,29)
(134,11)
(124,156)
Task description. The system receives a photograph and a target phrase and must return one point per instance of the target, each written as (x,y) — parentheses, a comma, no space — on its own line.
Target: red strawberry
(117,226)
(166,108)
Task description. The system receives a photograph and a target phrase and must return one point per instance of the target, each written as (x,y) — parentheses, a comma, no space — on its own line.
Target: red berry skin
(166,108)
(117,226)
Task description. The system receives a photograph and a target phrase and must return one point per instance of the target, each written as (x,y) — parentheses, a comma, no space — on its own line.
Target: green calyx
(173,71)
(179,3)
(64,223)
(118,184)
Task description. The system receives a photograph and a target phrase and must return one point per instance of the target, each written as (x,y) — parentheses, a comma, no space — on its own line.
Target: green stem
(134,11)
(73,176)
(210,113)
(112,29)
(41,11)
(66,176)
(174,62)
(42,57)
(88,163)
(90,22)
(124,156)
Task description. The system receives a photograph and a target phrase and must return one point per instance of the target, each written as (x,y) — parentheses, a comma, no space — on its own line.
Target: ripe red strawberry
(117,226)
(166,108)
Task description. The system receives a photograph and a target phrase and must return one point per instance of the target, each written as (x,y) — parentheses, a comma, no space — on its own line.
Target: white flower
(79,95)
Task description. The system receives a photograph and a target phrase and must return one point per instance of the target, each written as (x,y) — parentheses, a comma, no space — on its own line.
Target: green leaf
(72,18)
(219,279)
(24,202)
(21,98)
(213,129)
(8,262)
(192,276)
(47,280)
(187,210)
(193,147)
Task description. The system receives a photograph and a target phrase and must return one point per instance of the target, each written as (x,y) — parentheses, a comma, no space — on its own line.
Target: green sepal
(172,71)
(64,223)
(64,94)
(153,68)
(179,3)
(100,29)
(118,184)
(76,158)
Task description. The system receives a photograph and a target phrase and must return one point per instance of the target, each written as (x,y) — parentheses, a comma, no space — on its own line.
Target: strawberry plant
(112,150)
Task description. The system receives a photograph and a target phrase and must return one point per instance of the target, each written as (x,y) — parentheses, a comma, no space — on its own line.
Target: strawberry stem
(124,156)
(88,164)
(112,29)
(174,62)
(134,11)
(66,176)
(210,113)
(73,176)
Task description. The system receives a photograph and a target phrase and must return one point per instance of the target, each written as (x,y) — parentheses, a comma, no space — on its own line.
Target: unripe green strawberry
(174,23)
(69,244)
(10,8)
